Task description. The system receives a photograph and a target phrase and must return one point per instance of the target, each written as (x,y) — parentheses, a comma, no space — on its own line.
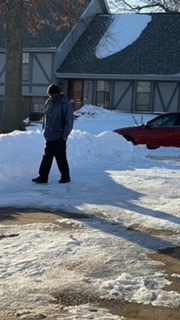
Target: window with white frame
(103,93)
(25,67)
(38,107)
(143,96)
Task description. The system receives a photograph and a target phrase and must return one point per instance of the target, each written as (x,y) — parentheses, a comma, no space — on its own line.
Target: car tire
(150,147)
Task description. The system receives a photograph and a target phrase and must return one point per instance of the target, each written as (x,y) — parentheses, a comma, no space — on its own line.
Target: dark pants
(55,149)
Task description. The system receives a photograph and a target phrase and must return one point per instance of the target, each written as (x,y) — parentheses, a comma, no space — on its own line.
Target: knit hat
(53,89)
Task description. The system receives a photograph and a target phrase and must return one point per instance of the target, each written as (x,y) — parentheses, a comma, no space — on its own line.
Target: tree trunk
(12,112)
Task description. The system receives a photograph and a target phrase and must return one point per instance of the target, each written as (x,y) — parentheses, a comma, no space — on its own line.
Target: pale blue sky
(116,4)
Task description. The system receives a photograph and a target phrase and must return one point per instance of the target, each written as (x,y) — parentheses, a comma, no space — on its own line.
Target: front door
(76,93)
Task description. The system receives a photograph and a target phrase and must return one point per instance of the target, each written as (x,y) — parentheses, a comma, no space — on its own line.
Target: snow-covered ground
(116,185)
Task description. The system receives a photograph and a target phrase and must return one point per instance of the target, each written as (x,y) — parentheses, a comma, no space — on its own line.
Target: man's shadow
(98,196)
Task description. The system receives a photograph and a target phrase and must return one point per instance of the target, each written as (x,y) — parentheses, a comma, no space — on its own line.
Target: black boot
(64,180)
(39,180)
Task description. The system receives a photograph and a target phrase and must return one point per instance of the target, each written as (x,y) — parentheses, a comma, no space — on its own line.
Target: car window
(177,121)
(169,120)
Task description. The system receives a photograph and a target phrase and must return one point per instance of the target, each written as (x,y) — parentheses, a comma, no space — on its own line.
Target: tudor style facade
(147,96)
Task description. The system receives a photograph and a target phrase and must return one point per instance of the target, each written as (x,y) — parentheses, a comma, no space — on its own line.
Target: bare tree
(167,6)
(17,15)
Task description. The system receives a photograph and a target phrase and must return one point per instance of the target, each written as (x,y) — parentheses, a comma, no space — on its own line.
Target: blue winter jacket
(58,118)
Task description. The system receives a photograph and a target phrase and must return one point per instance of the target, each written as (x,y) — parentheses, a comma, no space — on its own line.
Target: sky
(117,7)
(114,186)
(123,31)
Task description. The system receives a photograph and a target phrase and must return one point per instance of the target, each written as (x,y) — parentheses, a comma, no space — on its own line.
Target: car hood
(127,129)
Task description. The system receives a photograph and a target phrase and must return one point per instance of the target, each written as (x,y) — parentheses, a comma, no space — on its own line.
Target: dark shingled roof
(155,52)
(48,36)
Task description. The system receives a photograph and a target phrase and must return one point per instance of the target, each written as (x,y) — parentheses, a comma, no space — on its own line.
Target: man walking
(57,125)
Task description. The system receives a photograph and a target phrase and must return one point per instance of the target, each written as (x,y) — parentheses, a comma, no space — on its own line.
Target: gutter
(173,77)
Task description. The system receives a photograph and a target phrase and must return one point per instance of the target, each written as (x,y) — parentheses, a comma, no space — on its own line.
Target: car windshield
(169,120)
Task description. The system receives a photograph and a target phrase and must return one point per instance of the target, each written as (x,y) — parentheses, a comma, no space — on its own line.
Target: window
(143,96)
(38,107)
(25,67)
(103,93)
(168,120)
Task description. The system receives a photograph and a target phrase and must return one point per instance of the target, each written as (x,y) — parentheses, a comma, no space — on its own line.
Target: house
(128,62)
(42,55)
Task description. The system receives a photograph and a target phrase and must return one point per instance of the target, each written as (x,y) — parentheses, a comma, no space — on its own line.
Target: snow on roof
(124,30)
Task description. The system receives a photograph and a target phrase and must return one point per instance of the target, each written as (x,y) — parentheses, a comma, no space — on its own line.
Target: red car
(161,131)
